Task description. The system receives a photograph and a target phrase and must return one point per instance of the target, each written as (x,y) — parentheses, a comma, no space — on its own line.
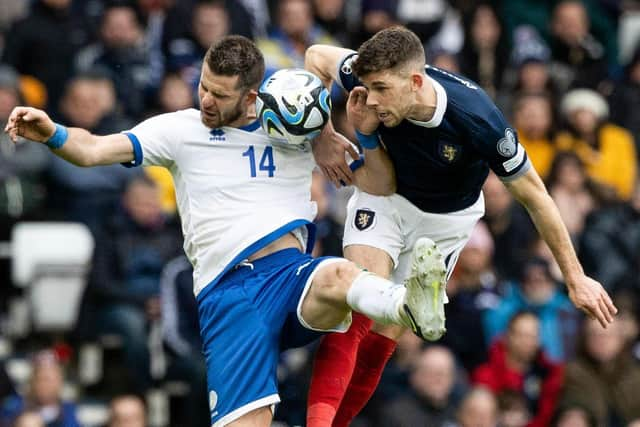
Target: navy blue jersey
(442,164)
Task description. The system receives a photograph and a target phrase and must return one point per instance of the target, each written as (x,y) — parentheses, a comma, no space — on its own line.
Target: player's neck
(245,120)
(425,104)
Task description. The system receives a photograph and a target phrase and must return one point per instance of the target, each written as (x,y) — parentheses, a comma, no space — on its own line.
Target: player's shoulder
(465,98)
(181,117)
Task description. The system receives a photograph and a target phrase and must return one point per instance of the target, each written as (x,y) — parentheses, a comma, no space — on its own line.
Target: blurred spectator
(124,286)
(610,244)
(472,290)
(395,377)
(538,293)
(376,15)
(517,363)
(154,13)
(574,416)
(540,249)
(436,23)
(626,300)
(431,402)
(330,15)
(444,60)
(479,408)
(294,33)
(604,377)
(43,45)
(122,50)
(44,395)
(607,151)
(513,409)
(175,94)
(29,419)
(482,58)
(209,22)
(182,338)
(539,14)
(511,228)
(10,11)
(533,120)
(6,385)
(529,71)
(127,410)
(626,97)
(22,191)
(87,194)
(568,185)
(578,58)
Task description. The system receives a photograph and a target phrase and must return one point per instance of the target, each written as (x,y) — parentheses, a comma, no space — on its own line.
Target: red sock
(373,354)
(332,370)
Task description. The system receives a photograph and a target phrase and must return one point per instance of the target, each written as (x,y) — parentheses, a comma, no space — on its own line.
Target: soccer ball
(293,106)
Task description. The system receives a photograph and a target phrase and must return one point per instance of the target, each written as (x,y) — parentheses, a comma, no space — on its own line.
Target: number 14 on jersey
(266,161)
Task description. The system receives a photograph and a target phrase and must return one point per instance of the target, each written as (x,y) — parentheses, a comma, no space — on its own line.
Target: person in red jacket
(516,363)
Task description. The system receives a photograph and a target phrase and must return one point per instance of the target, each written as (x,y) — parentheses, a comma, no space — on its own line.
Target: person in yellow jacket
(533,119)
(608,151)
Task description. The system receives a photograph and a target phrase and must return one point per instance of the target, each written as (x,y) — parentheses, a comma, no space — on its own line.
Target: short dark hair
(390,48)
(237,56)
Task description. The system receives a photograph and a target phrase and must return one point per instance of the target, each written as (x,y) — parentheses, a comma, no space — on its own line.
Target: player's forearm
(79,148)
(377,175)
(85,149)
(545,216)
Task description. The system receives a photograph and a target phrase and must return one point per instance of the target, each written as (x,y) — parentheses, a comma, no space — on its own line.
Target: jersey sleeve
(346,79)
(154,142)
(499,146)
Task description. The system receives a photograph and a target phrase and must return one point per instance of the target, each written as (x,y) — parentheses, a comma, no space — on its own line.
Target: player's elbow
(314,60)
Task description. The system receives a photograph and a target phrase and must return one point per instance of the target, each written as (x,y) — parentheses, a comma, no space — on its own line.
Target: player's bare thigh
(377,261)
(260,417)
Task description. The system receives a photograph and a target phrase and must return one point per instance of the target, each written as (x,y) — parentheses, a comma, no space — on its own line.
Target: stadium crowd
(567,75)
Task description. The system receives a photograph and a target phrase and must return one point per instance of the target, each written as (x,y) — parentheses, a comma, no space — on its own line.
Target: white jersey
(236,190)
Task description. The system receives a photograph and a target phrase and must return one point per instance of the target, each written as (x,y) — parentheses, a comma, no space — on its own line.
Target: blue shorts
(242,318)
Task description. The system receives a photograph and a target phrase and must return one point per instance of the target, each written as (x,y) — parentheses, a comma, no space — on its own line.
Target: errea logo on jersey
(217,135)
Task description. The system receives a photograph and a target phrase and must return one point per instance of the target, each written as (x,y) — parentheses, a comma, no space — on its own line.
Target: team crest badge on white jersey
(364,219)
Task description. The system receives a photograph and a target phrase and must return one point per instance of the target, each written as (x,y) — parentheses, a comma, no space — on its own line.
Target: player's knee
(335,280)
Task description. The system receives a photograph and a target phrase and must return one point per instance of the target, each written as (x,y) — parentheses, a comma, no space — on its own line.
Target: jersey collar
(251,126)
(441,107)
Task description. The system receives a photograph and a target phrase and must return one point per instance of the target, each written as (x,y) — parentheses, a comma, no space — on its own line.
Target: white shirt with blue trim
(237,190)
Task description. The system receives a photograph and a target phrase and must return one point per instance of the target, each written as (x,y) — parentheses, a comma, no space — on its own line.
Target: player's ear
(251,96)
(417,80)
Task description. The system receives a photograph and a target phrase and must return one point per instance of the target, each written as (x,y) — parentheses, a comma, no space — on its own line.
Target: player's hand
(590,297)
(29,123)
(329,150)
(364,118)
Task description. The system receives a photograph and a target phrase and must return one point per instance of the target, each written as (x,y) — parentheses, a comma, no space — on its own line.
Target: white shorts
(394,224)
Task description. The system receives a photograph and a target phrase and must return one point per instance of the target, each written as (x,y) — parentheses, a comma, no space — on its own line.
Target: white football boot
(426,296)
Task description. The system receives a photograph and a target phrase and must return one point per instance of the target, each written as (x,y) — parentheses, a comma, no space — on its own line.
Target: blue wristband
(58,138)
(369,142)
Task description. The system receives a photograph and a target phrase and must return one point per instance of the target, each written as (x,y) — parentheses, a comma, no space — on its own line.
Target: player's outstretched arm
(329,148)
(322,60)
(586,294)
(72,144)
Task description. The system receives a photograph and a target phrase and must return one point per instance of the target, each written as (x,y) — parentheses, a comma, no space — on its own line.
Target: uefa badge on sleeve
(508,145)
(364,219)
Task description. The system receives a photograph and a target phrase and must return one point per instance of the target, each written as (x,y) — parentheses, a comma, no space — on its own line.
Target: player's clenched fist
(30,123)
